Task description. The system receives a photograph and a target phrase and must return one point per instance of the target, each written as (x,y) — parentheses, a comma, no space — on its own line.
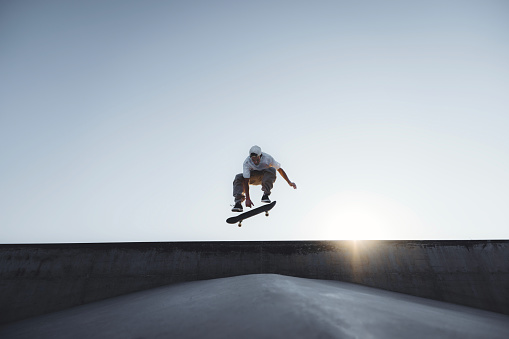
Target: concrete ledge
(37,279)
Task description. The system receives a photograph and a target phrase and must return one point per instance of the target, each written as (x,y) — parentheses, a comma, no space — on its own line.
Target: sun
(359,216)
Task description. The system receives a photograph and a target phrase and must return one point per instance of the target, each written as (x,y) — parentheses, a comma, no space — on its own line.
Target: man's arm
(283,174)
(249,203)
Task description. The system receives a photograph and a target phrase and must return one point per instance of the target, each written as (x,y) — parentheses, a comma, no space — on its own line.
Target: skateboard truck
(240,222)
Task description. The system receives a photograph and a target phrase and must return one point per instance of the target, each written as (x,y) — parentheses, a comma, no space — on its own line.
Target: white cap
(256,150)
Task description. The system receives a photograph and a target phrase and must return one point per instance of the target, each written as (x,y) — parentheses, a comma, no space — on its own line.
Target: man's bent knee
(270,174)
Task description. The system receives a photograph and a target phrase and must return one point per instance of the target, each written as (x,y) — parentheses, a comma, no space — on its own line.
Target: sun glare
(359,216)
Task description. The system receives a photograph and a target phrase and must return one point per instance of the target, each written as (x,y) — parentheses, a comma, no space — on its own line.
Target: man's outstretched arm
(283,174)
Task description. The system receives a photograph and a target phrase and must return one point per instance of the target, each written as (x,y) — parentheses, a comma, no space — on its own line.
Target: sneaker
(237,207)
(266,199)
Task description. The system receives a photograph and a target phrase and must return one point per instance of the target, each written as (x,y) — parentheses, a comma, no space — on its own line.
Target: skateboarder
(259,169)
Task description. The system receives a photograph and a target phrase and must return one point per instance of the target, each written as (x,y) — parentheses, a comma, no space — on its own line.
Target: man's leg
(269,177)
(238,188)
(257,178)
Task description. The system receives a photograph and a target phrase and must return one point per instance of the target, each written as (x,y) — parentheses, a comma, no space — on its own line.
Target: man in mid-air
(259,169)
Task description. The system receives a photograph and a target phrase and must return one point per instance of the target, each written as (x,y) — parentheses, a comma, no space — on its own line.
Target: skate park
(336,288)
(123,125)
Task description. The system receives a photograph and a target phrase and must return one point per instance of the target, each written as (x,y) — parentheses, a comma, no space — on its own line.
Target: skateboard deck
(239,218)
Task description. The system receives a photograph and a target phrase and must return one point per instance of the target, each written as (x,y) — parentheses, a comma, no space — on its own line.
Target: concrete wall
(36,279)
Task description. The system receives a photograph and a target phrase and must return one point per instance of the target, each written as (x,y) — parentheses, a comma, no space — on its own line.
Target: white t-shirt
(266,161)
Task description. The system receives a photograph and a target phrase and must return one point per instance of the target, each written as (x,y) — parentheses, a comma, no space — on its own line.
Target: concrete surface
(264,306)
(37,279)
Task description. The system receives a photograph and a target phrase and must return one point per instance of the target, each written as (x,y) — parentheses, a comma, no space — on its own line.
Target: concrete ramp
(40,278)
(264,306)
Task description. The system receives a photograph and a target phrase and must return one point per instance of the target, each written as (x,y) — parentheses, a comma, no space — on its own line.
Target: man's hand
(283,174)
(249,203)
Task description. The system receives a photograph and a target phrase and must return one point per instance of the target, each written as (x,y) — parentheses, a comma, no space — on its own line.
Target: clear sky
(128,120)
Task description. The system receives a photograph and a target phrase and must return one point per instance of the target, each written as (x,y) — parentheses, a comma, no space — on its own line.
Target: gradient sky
(128,120)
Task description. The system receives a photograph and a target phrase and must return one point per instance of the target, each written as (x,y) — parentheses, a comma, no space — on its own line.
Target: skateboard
(239,218)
